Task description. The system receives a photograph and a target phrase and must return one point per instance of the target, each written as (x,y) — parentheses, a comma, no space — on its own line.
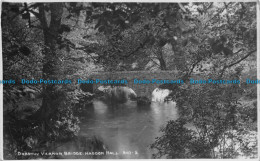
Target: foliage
(216,111)
(21,46)
(175,141)
(221,125)
(179,141)
(25,134)
(68,40)
(139,34)
(170,37)
(80,100)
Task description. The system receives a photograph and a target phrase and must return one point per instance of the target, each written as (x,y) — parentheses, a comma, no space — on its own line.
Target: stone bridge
(140,89)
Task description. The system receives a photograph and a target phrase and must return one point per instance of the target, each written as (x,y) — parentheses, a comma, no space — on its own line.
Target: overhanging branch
(232,64)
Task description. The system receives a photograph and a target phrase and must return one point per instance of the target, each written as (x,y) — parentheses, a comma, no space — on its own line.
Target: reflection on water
(126,127)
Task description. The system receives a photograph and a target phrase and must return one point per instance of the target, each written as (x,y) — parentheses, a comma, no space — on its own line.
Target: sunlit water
(125,127)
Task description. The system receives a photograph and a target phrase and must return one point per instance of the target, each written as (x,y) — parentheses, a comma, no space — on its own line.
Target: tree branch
(137,49)
(228,19)
(42,17)
(23,10)
(232,64)
(182,8)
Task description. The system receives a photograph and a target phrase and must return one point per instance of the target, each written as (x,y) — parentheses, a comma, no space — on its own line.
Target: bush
(215,113)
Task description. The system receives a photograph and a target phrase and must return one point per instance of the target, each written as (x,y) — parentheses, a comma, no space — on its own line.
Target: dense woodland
(71,40)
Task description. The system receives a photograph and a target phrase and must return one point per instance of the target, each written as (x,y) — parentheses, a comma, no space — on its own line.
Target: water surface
(126,127)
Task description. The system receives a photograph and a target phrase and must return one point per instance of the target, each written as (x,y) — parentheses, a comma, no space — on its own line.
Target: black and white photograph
(129,80)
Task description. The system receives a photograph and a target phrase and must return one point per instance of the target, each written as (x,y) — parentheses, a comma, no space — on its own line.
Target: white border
(143,1)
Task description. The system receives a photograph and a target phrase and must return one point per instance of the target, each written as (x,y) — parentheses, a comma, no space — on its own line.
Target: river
(126,129)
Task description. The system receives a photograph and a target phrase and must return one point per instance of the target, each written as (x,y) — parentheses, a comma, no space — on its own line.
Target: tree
(133,31)
(67,40)
(54,119)
(214,110)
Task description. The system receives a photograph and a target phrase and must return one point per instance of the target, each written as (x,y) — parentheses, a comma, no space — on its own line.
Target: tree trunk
(161,60)
(51,97)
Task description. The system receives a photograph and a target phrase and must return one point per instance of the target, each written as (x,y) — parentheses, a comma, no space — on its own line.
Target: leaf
(96,16)
(184,42)
(194,41)
(120,22)
(101,28)
(69,16)
(135,18)
(227,51)
(73,4)
(46,8)
(65,28)
(98,24)
(152,40)
(89,13)
(26,15)
(89,8)
(67,48)
(163,5)
(25,50)
(96,5)
(162,42)
(15,9)
(63,45)
(120,14)
(217,46)
(106,14)
(12,54)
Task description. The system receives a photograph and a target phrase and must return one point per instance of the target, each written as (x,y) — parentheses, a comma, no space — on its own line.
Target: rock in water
(118,94)
(159,95)
(143,101)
